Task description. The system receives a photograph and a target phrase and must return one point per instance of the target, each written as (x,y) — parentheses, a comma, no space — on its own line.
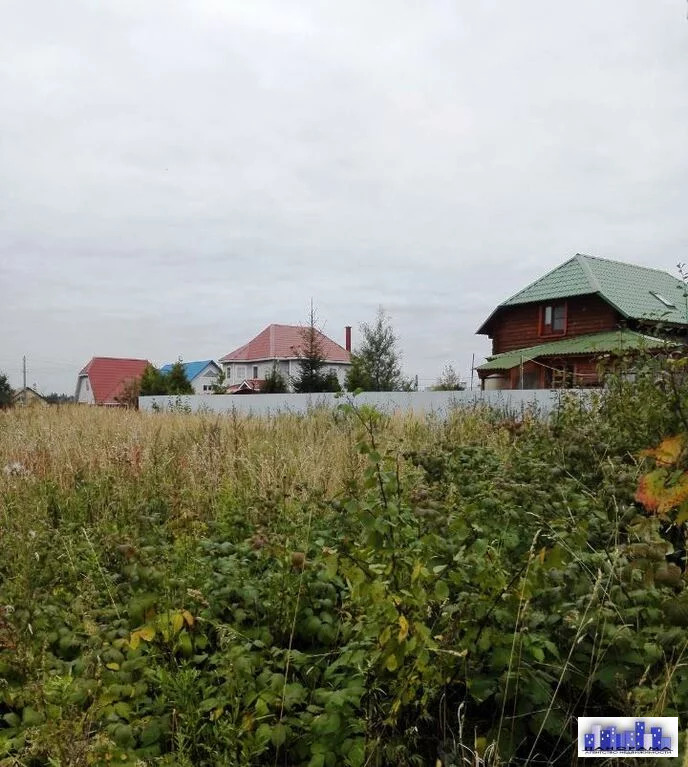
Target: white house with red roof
(103,379)
(279,346)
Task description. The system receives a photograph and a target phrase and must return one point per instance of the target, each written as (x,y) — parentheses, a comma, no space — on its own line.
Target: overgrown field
(338,589)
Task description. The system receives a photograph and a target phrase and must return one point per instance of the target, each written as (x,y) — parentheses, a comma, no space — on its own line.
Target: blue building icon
(637,739)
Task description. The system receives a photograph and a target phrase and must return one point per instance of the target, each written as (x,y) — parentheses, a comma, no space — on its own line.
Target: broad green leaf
(207,704)
(279,735)
(122,709)
(31,717)
(385,636)
(12,719)
(356,755)
(123,735)
(151,733)
(185,645)
(263,733)
(441,590)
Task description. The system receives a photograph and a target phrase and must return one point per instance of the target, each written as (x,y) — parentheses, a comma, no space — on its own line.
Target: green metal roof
(611,341)
(637,292)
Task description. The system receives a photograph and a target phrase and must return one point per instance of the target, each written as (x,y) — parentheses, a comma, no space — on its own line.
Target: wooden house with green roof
(554,331)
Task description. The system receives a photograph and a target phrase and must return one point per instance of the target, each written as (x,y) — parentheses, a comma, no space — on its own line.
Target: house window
(240,372)
(553,320)
(255,371)
(661,298)
(228,372)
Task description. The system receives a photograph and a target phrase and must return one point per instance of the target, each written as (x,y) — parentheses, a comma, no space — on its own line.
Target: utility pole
(521,371)
(24,377)
(472,369)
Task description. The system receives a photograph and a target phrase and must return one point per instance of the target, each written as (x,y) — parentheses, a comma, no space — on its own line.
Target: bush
(198,591)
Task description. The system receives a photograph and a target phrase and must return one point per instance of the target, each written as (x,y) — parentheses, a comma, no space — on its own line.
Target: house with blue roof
(202,374)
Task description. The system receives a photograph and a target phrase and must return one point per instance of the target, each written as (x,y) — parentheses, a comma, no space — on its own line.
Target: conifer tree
(312,376)
(274,382)
(177,382)
(376,364)
(153,382)
(5,392)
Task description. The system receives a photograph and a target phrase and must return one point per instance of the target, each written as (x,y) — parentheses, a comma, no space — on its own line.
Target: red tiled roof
(108,375)
(250,385)
(282,342)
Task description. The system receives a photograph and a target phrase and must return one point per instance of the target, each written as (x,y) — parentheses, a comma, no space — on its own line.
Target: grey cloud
(176,175)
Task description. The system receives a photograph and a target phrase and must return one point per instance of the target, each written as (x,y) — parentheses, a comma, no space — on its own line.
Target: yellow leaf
(391,663)
(90,627)
(658,497)
(188,618)
(112,666)
(668,451)
(134,640)
(403,628)
(455,653)
(177,622)
(541,555)
(385,636)
(147,633)
(216,714)
(417,569)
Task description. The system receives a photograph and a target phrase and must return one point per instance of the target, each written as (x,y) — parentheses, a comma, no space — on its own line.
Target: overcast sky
(174,176)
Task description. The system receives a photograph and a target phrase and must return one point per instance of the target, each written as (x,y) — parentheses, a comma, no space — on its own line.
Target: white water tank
(495,382)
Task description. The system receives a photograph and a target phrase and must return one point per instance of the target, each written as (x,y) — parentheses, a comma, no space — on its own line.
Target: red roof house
(280,346)
(249,386)
(103,379)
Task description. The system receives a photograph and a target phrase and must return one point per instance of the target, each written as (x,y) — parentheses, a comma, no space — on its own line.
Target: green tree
(153,382)
(312,376)
(376,364)
(59,399)
(331,382)
(5,392)
(177,382)
(220,384)
(449,380)
(274,383)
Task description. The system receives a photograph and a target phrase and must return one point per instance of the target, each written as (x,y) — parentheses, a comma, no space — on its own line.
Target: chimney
(347,335)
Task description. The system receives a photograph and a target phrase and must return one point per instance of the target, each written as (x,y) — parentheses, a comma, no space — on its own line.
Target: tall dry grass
(65,442)
(194,460)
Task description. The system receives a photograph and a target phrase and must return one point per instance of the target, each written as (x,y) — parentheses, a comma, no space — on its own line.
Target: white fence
(542,401)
